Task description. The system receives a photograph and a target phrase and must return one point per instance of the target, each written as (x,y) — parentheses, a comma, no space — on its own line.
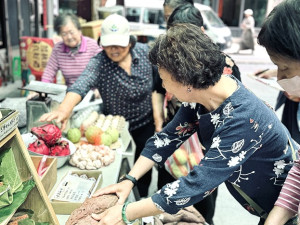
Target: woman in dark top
(186,13)
(123,75)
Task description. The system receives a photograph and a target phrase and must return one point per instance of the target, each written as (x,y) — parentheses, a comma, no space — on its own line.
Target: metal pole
(242,11)
(36,19)
(8,47)
(50,19)
(20,19)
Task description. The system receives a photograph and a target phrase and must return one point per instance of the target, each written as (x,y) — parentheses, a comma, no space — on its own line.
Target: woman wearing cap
(247,41)
(247,146)
(280,35)
(123,75)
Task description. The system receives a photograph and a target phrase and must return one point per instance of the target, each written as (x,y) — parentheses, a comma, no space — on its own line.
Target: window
(213,19)
(133,14)
(153,16)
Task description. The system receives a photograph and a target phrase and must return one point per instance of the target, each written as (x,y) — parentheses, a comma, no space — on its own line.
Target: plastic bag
(182,161)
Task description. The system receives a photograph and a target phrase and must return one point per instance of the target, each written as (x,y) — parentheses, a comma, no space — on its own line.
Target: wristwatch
(128,177)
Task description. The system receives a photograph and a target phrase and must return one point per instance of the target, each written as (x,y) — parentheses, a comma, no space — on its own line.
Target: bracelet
(128,177)
(124,218)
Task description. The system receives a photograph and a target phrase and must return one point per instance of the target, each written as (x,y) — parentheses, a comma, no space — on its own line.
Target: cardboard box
(67,208)
(35,52)
(92,29)
(50,176)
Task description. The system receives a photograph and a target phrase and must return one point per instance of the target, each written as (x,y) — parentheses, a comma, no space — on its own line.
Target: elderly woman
(280,35)
(71,55)
(186,13)
(247,146)
(123,75)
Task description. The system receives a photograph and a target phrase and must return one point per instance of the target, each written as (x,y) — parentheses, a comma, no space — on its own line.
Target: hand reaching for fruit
(61,117)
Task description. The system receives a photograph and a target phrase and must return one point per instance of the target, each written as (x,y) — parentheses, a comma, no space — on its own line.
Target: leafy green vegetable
(21,212)
(26,222)
(19,198)
(31,222)
(6,197)
(9,171)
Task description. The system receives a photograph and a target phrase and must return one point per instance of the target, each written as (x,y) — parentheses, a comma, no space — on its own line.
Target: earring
(189,89)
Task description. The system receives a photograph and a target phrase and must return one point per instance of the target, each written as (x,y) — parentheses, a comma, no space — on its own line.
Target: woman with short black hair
(247,146)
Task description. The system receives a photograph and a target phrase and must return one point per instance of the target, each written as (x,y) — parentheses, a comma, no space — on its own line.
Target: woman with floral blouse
(247,146)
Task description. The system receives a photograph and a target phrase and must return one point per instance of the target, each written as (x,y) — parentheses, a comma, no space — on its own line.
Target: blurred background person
(247,25)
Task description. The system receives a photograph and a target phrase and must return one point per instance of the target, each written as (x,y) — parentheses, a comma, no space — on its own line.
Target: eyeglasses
(71,32)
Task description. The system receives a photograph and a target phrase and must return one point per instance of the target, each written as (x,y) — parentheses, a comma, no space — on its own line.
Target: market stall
(57,168)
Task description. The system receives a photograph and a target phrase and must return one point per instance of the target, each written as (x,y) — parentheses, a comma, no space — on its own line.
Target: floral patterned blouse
(246,145)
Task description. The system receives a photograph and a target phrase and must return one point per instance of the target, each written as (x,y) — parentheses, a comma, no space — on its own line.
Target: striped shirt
(71,64)
(289,197)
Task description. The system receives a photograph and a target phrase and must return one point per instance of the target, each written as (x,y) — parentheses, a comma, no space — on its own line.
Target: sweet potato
(89,206)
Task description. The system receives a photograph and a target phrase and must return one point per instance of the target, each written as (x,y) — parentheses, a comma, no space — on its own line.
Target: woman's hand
(64,111)
(292,97)
(122,190)
(111,216)
(278,216)
(60,116)
(267,74)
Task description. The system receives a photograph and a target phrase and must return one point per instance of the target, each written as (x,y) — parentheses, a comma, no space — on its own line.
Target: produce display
(181,162)
(13,191)
(82,215)
(49,141)
(95,139)
(24,217)
(103,122)
(10,180)
(92,157)
(98,129)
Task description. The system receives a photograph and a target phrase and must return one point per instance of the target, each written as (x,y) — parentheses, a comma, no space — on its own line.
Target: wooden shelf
(37,200)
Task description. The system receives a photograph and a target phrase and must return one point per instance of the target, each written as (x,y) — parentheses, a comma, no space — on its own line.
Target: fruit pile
(49,141)
(91,157)
(181,162)
(98,130)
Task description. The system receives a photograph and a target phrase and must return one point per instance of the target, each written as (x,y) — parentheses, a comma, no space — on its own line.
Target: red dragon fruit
(39,146)
(60,149)
(48,133)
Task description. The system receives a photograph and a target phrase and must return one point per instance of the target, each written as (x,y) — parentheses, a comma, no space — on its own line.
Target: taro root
(91,205)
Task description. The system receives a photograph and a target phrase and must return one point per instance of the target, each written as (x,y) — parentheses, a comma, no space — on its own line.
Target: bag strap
(292,147)
(262,213)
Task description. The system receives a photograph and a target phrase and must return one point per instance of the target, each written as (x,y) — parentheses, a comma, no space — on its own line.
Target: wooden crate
(92,29)
(50,176)
(37,200)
